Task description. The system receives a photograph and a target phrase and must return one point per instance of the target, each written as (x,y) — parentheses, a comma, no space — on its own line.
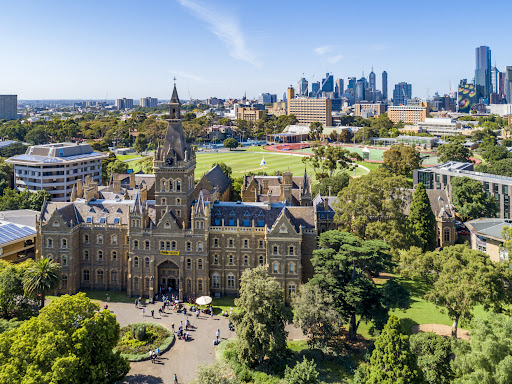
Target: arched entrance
(168,277)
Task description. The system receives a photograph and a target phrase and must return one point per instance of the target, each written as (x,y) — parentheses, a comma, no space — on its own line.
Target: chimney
(116,185)
(79,188)
(269,202)
(330,189)
(144,193)
(132,180)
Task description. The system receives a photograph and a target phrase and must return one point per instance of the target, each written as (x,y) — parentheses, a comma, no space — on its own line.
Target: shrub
(138,331)
(133,349)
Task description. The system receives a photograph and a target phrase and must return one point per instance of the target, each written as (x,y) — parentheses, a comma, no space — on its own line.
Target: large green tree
(453,152)
(261,317)
(70,341)
(488,358)
(141,143)
(41,277)
(117,166)
(422,219)
(372,207)
(342,264)
(13,302)
(392,361)
(304,372)
(328,161)
(501,167)
(464,278)
(315,130)
(434,354)
(495,153)
(230,143)
(331,185)
(402,159)
(470,200)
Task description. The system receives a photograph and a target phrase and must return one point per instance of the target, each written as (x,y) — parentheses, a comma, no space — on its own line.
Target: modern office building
(360,90)
(407,114)
(507,84)
(440,126)
(266,98)
(56,168)
(328,83)
(352,82)
(8,107)
(309,110)
(372,80)
(440,176)
(495,84)
(384,85)
(315,89)
(402,93)
(483,72)
(339,88)
(148,102)
(303,89)
(124,103)
(367,110)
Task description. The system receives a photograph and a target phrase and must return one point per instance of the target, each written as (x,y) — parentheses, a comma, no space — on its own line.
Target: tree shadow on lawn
(415,288)
(143,379)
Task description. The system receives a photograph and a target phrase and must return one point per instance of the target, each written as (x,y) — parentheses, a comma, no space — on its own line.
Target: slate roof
(216,177)
(301,216)
(489,227)
(322,213)
(439,201)
(245,213)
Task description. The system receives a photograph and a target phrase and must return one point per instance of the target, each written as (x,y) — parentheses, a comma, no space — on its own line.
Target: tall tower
(174,164)
(339,87)
(384,85)
(372,80)
(483,71)
(303,87)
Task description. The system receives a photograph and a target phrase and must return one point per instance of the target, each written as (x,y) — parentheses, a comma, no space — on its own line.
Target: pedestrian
(230,311)
(136,303)
(218,334)
(157,352)
(152,313)
(175,379)
(197,313)
(181,324)
(172,325)
(151,355)
(143,310)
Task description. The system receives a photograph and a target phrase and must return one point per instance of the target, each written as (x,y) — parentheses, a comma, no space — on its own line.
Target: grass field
(127,157)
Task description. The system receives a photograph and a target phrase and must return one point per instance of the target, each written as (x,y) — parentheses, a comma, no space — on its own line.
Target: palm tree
(41,277)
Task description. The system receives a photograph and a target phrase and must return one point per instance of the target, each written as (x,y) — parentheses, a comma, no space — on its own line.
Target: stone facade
(170,232)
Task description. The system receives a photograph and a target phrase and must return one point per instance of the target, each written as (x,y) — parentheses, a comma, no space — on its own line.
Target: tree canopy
(328,161)
(315,130)
(260,319)
(470,200)
(231,143)
(373,206)
(402,159)
(422,219)
(434,354)
(70,341)
(453,152)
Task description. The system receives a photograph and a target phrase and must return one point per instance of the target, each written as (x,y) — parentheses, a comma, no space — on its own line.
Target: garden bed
(136,348)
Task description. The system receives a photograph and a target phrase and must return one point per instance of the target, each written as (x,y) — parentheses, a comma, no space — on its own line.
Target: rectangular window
(504,189)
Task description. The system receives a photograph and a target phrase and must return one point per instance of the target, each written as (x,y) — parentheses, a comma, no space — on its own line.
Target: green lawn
(127,157)
(375,154)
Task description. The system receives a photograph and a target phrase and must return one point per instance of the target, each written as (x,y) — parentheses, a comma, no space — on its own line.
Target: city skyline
(128,49)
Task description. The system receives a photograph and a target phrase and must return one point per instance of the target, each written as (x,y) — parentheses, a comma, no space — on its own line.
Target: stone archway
(168,274)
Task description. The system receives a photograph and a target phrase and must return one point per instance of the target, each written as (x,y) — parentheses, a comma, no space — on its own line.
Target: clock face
(169,161)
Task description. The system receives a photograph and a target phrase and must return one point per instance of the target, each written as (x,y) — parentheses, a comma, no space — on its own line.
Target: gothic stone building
(170,232)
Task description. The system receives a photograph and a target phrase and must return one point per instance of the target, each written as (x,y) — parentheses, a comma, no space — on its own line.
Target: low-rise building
(487,236)
(249,113)
(407,114)
(17,235)
(441,126)
(56,168)
(367,110)
(278,108)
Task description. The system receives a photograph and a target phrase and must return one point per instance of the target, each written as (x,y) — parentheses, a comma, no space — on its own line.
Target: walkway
(184,356)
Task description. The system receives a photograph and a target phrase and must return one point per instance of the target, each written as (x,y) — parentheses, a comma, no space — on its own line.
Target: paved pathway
(184,356)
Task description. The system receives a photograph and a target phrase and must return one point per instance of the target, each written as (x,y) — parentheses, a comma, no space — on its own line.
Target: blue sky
(124,48)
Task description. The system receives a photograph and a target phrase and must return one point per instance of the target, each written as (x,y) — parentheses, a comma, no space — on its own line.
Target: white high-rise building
(302,90)
(148,102)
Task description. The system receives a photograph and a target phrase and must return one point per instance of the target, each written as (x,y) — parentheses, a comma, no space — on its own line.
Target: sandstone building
(153,232)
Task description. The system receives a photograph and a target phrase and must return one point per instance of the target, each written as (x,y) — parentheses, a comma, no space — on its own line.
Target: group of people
(154,355)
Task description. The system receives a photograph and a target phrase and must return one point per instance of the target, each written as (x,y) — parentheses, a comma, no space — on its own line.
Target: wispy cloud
(226,27)
(323,49)
(379,47)
(329,52)
(187,75)
(335,59)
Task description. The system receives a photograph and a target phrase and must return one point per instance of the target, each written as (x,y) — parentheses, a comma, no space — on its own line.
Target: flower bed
(136,340)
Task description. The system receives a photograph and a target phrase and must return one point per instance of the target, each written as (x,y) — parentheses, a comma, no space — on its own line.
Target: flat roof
(454,168)
(489,227)
(20,216)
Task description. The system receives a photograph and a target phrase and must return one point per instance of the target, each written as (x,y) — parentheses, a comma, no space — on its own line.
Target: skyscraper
(385,85)
(328,83)
(8,107)
(360,88)
(373,80)
(352,82)
(508,84)
(339,88)
(302,89)
(495,75)
(315,89)
(483,71)
(401,93)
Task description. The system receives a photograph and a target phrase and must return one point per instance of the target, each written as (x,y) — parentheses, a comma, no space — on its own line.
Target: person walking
(218,334)
(157,352)
(175,379)
(153,313)
(143,310)
(172,325)
(151,355)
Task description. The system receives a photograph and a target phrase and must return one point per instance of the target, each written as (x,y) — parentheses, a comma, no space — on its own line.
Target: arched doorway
(169,274)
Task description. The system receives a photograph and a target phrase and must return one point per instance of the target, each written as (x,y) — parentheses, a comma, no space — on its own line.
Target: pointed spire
(73,193)
(174,98)
(305,182)
(200,205)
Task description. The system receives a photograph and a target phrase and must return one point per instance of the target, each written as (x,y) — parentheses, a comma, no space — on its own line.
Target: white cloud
(226,28)
(323,49)
(379,47)
(187,75)
(335,59)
